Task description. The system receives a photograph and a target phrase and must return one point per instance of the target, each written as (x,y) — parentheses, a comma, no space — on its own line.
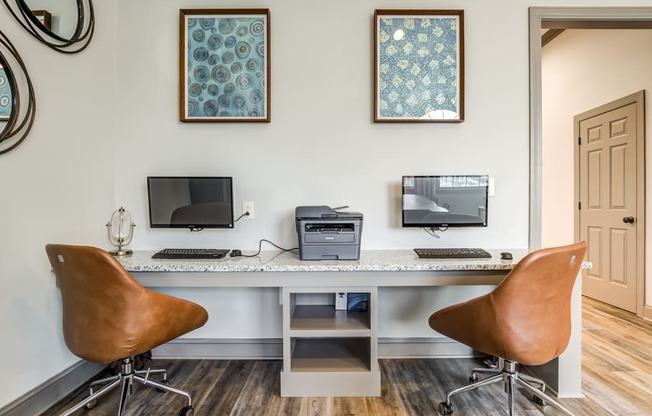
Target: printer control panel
(332,227)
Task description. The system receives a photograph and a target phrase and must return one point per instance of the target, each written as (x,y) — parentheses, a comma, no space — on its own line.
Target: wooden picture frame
(224,65)
(44,17)
(419,66)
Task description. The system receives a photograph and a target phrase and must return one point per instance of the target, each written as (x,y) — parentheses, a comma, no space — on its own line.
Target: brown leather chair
(525,320)
(108,316)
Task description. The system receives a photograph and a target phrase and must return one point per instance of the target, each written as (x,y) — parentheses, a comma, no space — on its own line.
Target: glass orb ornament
(121,231)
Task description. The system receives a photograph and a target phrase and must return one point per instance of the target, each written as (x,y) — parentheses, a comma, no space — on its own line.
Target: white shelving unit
(328,352)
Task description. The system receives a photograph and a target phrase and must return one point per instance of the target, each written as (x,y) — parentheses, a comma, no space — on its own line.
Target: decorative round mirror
(66,26)
(7,99)
(17,101)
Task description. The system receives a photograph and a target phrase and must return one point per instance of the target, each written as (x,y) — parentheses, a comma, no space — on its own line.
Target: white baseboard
(54,389)
(647,312)
(422,348)
(270,349)
(51,391)
(221,349)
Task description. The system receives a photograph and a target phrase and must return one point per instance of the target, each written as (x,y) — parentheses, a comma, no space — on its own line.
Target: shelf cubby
(328,352)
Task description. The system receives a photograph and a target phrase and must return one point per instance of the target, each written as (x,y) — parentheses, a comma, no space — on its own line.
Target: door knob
(628,220)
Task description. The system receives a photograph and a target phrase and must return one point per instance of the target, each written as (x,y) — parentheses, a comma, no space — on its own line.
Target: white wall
(57,186)
(582,70)
(321,146)
(108,118)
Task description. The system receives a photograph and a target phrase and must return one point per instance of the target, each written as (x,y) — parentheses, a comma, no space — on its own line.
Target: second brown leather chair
(525,320)
(108,316)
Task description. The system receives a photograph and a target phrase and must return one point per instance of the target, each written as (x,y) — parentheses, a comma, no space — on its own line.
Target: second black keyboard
(452,253)
(191,253)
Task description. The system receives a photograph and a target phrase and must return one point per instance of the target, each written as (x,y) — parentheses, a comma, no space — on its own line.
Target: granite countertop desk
(273,268)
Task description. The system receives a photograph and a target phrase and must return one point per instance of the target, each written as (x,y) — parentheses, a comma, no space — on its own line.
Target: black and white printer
(328,234)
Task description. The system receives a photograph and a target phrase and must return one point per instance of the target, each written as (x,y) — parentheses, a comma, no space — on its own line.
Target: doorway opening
(568,18)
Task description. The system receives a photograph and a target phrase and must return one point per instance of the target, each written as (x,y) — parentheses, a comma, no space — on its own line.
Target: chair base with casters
(511,377)
(125,379)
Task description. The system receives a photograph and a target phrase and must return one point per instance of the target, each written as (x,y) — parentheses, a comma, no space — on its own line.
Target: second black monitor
(440,201)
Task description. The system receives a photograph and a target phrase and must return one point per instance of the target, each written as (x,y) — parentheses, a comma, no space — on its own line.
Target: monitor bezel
(199,226)
(442,225)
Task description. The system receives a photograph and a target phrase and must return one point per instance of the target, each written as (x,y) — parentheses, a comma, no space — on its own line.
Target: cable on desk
(260,244)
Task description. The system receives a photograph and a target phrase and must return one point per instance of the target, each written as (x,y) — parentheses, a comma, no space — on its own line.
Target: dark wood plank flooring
(617,375)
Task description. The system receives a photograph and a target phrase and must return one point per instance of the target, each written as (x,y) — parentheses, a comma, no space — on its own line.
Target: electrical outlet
(248,206)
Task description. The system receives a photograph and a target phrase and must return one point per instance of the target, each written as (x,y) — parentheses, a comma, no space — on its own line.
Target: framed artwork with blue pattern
(419,66)
(224,65)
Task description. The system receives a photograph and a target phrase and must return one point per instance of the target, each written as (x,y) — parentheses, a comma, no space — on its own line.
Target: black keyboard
(452,253)
(191,253)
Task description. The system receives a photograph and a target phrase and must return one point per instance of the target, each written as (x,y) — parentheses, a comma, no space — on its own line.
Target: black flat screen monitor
(190,202)
(445,201)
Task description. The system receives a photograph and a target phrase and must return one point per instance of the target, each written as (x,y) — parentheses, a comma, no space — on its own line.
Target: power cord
(431,230)
(197,229)
(240,217)
(260,244)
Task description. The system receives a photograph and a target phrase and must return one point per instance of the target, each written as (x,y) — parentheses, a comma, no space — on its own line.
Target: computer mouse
(235,253)
(505,256)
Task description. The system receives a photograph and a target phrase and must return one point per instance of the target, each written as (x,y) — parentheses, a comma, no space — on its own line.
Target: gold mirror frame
(35,24)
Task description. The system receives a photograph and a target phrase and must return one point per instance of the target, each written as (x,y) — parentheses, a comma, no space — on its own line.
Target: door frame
(568,18)
(637,98)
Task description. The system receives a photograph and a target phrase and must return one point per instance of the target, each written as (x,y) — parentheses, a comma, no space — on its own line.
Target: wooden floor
(617,380)
(616,359)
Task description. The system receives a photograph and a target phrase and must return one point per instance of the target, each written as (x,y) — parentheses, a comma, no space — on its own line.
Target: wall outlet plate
(248,206)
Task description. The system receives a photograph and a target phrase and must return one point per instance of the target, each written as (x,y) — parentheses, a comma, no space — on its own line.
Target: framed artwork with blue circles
(419,66)
(224,65)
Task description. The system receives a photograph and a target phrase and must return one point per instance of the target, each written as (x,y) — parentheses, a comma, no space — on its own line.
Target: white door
(609,198)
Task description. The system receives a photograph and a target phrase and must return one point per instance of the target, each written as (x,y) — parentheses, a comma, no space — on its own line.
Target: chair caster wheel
(187,411)
(445,408)
(473,378)
(538,400)
(91,404)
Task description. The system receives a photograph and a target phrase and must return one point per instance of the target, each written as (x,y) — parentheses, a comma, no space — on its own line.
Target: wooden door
(609,199)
